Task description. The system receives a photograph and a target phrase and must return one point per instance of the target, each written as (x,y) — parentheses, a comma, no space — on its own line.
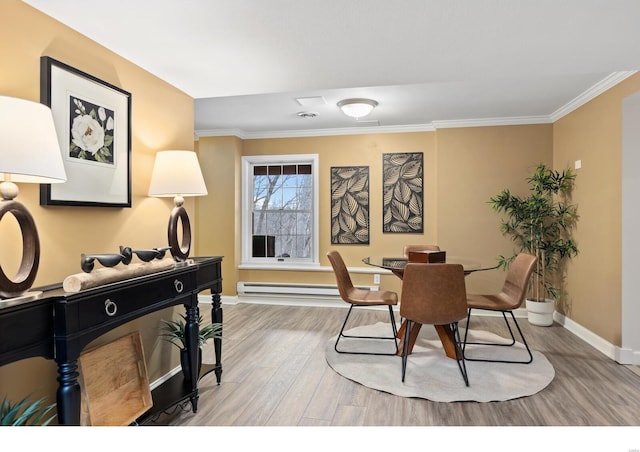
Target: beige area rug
(431,375)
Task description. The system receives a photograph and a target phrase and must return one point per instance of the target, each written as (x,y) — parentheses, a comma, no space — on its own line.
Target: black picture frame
(93,123)
(350,205)
(403,193)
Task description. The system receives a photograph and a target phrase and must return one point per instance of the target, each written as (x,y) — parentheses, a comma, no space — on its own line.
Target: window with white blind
(280,209)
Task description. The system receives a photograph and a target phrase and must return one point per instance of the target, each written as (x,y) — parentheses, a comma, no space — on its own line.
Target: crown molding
(314,132)
(488,122)
(219,133)
(607,83)
(603,85)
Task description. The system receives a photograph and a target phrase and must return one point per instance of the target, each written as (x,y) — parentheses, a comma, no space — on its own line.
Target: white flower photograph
(92,129)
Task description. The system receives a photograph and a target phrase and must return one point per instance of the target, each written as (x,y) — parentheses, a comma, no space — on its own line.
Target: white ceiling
(429,63)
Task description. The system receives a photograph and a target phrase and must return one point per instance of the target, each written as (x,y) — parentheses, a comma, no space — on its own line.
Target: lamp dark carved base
(179,251)
(10,288)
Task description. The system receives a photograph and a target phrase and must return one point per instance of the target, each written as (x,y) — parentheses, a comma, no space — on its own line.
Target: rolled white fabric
(100,276)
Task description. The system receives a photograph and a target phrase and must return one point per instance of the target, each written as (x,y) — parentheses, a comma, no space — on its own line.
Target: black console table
(59,325)
(177,389)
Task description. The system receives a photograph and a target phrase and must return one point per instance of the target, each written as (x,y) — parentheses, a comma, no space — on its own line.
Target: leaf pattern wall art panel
(350,205)
(402,193)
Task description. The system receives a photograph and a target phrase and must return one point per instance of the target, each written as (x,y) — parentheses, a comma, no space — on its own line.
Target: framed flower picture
(93,123)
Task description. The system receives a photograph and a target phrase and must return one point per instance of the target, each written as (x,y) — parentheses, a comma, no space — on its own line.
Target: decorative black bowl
(87,262)
(149,255)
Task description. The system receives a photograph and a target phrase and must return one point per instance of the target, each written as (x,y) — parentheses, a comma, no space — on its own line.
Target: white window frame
(247,260)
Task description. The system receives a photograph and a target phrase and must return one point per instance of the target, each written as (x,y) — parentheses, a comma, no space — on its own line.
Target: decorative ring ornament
(180,252)
(26,275)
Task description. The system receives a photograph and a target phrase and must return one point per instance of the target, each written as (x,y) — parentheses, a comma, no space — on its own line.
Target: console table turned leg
(68,394)
(216,317)
(191,334)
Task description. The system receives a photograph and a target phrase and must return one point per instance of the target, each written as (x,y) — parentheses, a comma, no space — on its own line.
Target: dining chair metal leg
(350,336)
(460,354)
(498,344)
(405,347)
(394,327)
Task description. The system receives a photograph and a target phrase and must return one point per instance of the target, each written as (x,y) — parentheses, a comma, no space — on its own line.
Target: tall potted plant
(174,332)
(541,224)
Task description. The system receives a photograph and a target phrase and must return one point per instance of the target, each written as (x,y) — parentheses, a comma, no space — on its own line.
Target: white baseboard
(608,349)
(628,356)
(320,302)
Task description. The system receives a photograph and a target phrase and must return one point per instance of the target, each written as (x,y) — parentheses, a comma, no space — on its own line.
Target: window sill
(307,267)
(286,265)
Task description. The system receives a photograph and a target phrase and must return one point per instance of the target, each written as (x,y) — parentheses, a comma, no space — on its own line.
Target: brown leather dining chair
(510,298)
(434,294)
(364,298)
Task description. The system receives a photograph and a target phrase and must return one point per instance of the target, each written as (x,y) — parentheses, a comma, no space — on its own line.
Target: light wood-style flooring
(275,374)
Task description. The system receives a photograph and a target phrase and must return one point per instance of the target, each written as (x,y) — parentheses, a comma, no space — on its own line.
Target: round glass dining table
(396,265)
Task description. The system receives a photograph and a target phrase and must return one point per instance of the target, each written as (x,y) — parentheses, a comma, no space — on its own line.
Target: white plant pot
(540,313)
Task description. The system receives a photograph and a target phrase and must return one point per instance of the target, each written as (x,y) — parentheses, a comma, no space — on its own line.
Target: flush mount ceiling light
(357,108)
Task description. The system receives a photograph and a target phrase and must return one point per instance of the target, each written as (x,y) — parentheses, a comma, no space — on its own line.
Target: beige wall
(460,175)
(218,226)
(346,150)
(162,117)
(475,164)
(593,134)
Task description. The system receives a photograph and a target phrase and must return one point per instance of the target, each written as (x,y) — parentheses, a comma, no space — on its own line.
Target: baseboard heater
(292,290)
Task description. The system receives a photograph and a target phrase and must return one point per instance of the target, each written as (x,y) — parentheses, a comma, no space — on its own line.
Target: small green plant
(540,224)
(26,413)
(174,331)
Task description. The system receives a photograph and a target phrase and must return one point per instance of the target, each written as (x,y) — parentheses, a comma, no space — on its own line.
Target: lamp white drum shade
(29,147)
(177,173)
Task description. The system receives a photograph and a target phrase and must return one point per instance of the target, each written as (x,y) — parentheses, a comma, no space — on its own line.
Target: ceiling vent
(311,101)
(307,114)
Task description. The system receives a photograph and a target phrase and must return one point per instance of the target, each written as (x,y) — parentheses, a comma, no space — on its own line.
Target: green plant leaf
(26,413)
(174,331)
(540,223)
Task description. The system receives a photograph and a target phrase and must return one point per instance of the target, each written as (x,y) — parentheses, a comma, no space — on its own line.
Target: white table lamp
(29,153)
(177,174)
